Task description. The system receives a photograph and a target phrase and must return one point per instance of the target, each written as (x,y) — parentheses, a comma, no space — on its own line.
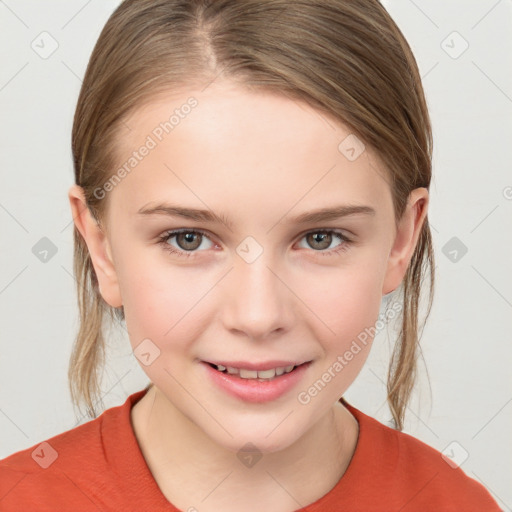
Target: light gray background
(467,342)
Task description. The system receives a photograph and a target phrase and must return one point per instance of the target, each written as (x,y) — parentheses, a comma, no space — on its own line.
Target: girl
(252,178)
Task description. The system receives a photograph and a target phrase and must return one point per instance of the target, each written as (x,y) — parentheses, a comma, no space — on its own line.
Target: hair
(347,59)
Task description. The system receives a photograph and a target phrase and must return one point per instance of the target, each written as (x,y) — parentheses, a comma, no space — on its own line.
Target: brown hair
(347,59)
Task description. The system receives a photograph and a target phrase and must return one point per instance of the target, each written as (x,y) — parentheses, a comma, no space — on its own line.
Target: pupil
(321,237)
(186,240)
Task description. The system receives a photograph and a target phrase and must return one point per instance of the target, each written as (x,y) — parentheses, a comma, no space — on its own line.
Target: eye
(322,239)
(188,241)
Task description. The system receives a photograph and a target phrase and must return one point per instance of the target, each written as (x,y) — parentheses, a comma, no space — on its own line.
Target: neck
(193,471)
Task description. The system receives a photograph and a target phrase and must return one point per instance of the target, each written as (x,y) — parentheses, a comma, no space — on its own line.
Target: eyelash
(187,254)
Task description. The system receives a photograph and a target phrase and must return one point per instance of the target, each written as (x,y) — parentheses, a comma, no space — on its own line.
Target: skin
(259,159)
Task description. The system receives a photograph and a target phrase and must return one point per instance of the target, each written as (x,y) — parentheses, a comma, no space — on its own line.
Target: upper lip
(266,365)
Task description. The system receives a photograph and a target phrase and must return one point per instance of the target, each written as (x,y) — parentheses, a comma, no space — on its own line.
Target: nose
(257,302)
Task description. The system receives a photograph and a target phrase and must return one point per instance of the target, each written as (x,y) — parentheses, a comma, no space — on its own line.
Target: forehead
(245,148)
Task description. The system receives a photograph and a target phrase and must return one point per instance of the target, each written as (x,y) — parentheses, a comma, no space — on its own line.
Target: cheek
(345,307)
(162,302)
(346,301)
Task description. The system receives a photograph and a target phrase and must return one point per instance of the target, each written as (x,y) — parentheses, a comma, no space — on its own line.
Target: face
(255,284)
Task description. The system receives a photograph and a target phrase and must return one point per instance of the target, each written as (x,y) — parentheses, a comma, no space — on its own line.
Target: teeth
(248,374)
(267,374)
(253,374)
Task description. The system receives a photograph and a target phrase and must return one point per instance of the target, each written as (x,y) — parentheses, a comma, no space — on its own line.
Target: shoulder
(438,480)
(95,466)
(415,475)
(49,473)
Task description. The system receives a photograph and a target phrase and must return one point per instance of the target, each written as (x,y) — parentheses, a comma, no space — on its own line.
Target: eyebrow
(194,214)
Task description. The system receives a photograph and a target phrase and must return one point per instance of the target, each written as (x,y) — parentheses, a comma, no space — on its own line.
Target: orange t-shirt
(98,466)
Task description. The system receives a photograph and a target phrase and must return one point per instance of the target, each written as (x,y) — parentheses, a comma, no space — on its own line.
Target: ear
(98,246)
(406,238)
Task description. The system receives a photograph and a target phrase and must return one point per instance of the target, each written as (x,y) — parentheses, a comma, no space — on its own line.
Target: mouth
(268,382)
(259,375)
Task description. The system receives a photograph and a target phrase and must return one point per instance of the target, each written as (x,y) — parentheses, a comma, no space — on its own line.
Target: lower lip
(253,390)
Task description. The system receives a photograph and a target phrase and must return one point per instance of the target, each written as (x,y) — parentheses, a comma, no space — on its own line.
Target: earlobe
(98,246)
(406,238)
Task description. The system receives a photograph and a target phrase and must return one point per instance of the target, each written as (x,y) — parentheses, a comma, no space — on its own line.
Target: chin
(269,437)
